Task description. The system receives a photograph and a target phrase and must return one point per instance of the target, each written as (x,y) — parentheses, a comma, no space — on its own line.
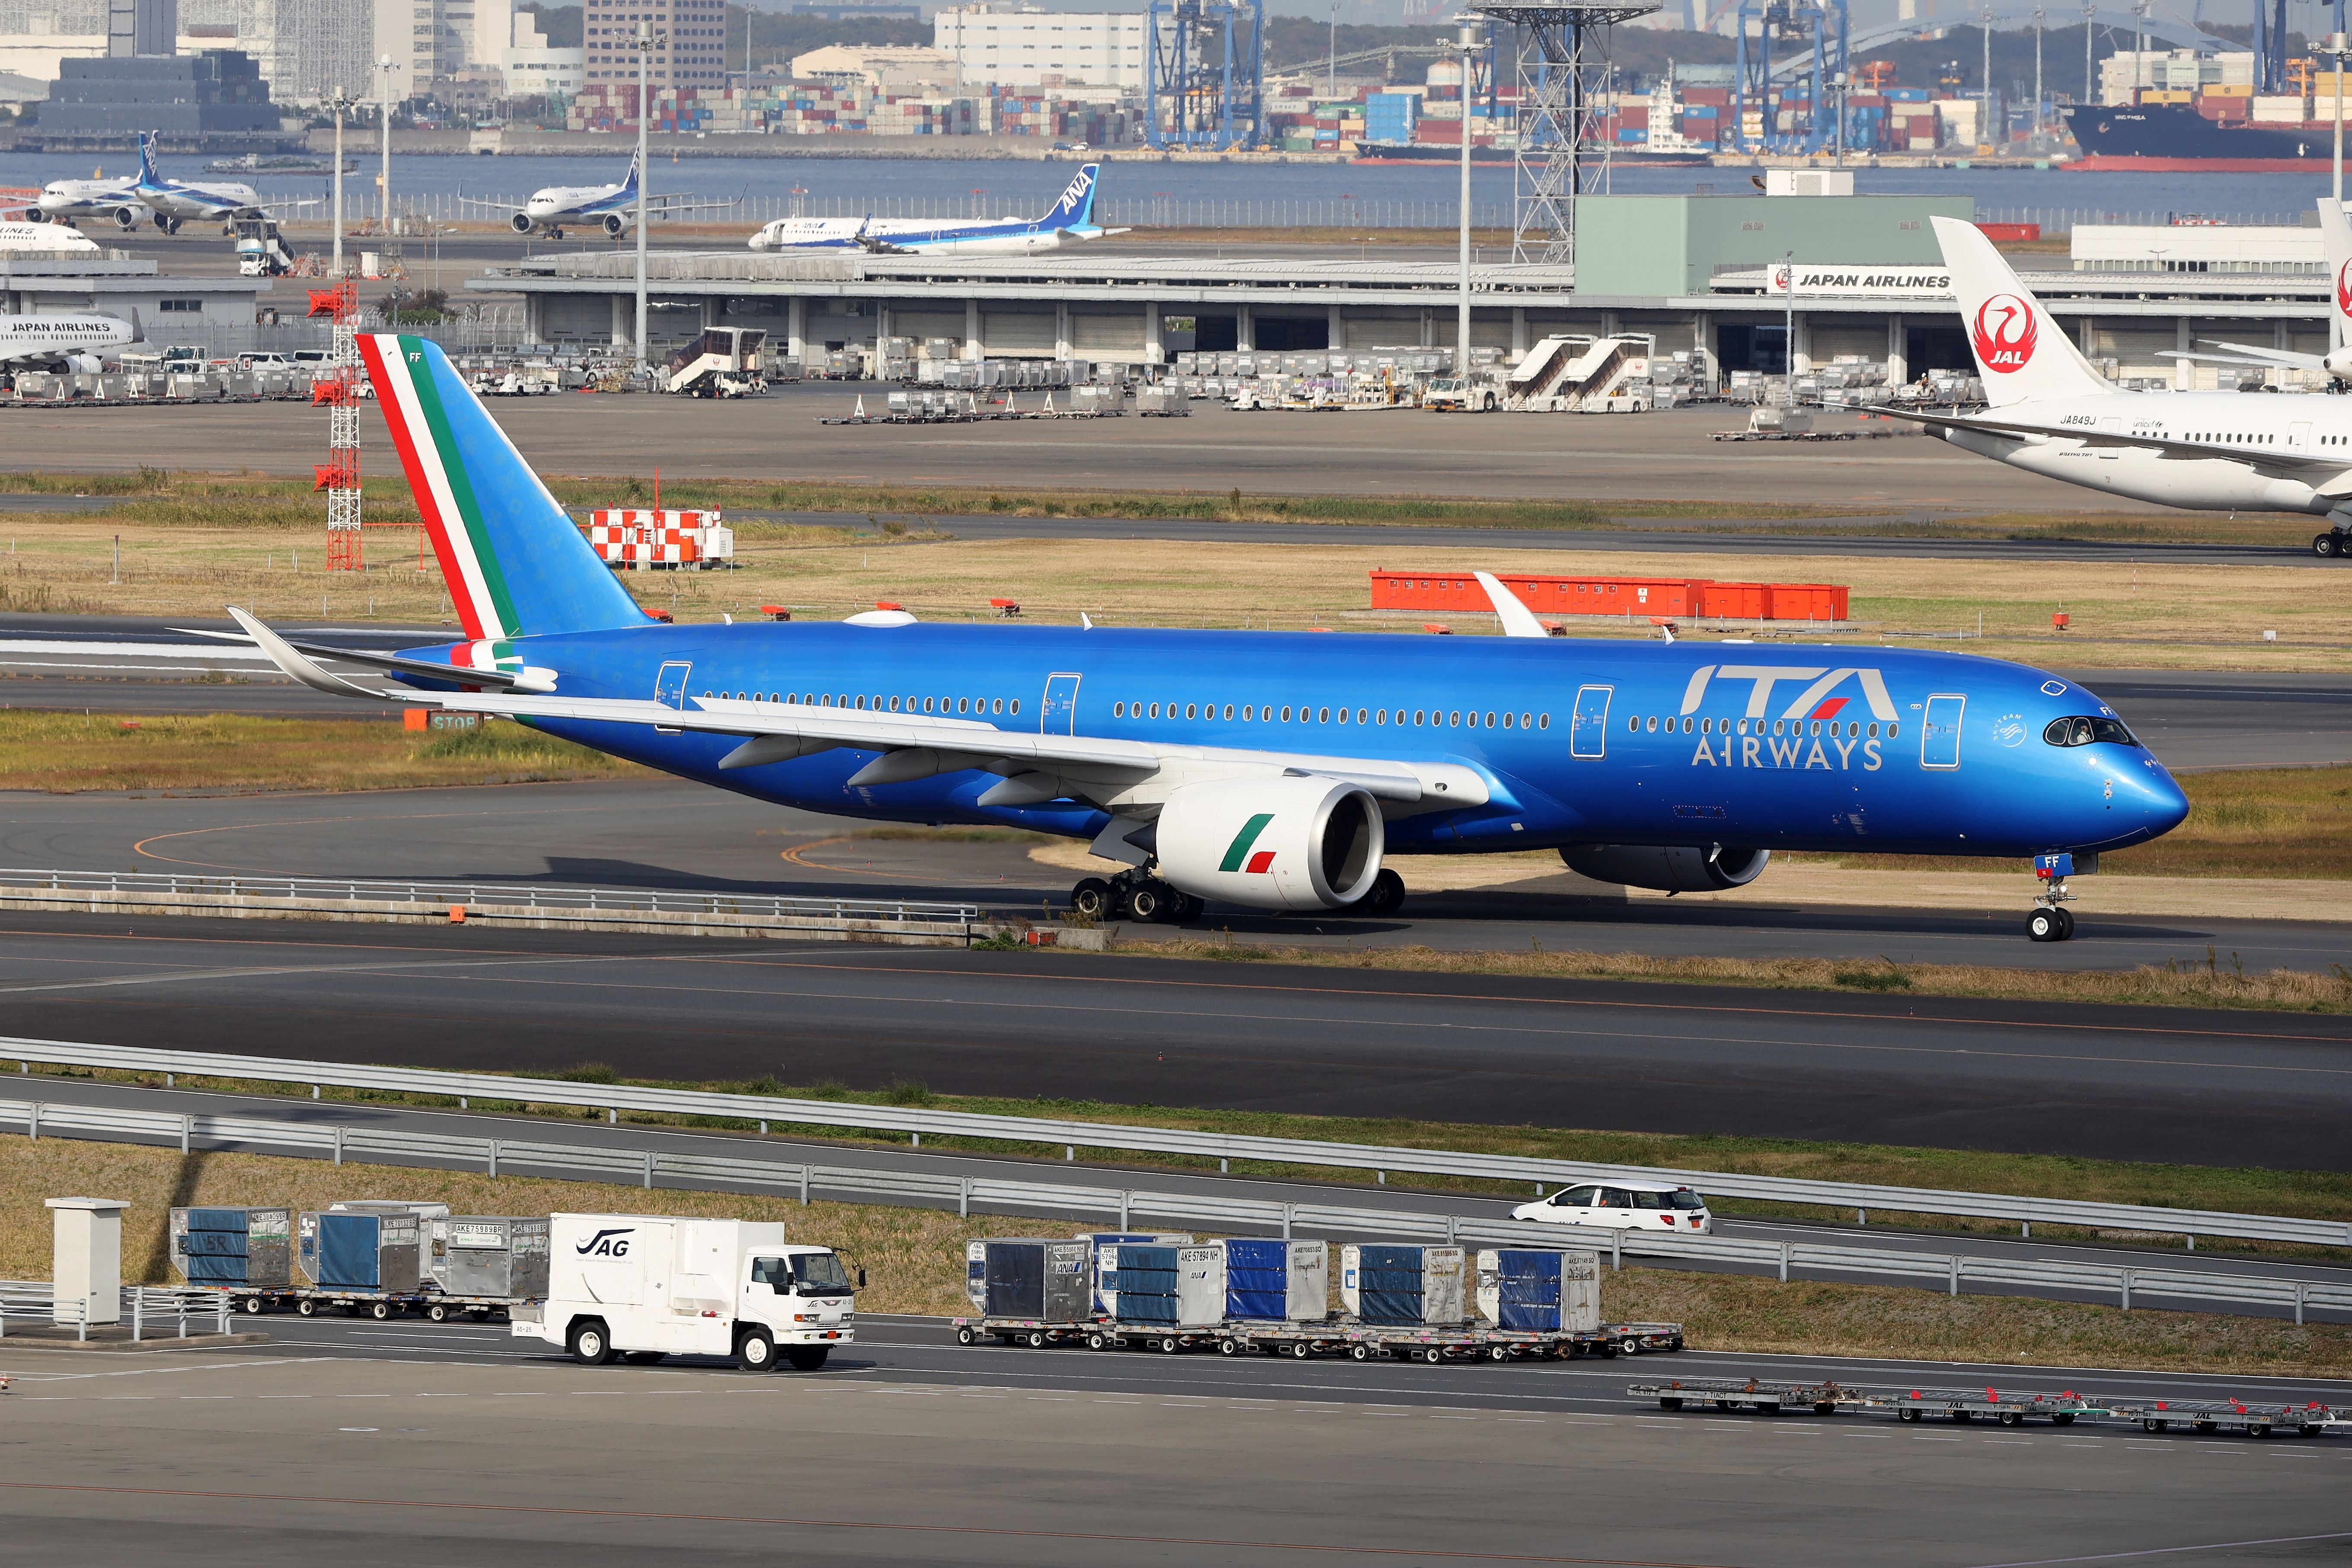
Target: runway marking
(998,1532)
(2171,1551)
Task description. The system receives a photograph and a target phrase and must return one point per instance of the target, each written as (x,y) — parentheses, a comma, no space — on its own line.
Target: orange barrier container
(1673,598)
(1808,602)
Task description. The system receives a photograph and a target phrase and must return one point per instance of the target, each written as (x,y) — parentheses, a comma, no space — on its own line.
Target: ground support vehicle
(2012,1408)
(650,1286)
(1753,1394)
(2231,1416)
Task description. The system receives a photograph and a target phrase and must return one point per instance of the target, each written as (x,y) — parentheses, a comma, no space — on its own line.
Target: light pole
(1984,129)
(2040,16)
(1331,70)
(1469,43)
(2337,50)
(644,42)
(1788,335)
(2139,46)
(340,103)
(2090,15)
(384,180)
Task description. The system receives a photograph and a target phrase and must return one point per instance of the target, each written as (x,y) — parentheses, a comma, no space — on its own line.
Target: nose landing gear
(2051,920)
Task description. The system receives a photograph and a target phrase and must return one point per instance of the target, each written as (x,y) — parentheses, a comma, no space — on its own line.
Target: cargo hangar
(1704,273)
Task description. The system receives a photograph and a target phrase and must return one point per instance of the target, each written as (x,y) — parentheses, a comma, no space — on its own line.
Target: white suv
(1626,1205)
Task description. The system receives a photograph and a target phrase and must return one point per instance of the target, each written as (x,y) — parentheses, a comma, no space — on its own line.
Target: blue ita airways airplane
(1268,770)
(1070,218)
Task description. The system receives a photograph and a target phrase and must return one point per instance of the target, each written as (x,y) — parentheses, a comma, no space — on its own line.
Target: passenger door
(2110,427)
(1614,1207)
(1575,1204)
(2298,435)
(1939,737)
(1587,733)
(669,691)
(1058,714)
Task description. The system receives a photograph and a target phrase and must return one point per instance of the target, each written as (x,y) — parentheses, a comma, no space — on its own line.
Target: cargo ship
(2179,138)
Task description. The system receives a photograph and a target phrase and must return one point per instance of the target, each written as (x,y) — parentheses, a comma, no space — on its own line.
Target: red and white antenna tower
(339,389)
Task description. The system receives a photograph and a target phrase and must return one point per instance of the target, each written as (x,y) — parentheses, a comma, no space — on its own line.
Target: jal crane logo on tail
(2004,332)
(2344,288)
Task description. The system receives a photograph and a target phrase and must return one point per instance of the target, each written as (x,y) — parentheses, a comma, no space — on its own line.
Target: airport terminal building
(1755,283)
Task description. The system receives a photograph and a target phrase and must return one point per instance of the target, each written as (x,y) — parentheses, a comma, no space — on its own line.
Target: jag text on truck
(644,1286)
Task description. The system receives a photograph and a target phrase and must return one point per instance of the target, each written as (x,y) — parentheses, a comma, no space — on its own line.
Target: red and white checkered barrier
(641,539)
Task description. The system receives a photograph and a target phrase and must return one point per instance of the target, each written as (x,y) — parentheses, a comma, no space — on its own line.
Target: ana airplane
(174,202)
(2053,413)
(1070,218)
(71,341)
(1271,771)
(62,200)
(44,236)
(613,208)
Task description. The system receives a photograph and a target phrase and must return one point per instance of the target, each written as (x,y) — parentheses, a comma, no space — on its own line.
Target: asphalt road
(671,834)
(399,1443)
(1341,1187)
(2182,1086)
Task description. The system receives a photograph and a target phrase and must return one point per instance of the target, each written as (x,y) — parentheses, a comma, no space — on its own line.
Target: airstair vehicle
(1580,374)
(722,363)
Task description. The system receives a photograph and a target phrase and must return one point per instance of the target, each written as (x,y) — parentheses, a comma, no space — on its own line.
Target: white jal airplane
(174,202)
(74,343)
(1072,218)
(613,208)
(2336,238)
(2052,414)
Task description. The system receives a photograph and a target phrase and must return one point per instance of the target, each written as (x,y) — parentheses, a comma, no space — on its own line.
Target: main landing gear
(1134,895)
(2335,541)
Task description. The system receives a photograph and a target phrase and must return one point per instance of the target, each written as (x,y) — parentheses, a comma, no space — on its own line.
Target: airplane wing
(2299,466)
(487,205)
(2246,354)
(1127,776)
(675,206)
(274,208)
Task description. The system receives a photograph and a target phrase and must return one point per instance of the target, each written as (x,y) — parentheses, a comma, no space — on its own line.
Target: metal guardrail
(649,1167)
(553,896)
(917,1121)
(141,1306)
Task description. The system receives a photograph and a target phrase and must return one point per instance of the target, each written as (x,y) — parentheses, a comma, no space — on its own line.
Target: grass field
(914,1263)
(185,550)
(67,751)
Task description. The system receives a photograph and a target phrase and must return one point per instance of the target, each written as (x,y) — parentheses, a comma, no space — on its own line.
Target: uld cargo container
(1031,1278)
(1268,1280)
(347,1251)
(1105,1245)
(225,1246)
(1539,1291)
(487,1254)
(1402,1285)
(1170,1286)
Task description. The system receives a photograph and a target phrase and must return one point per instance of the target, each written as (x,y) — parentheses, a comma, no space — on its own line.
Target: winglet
(294,664)
(1518,621)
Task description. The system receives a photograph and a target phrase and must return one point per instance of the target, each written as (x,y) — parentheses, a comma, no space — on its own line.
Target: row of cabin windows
(878,703)
(1726,727)
(1250,713)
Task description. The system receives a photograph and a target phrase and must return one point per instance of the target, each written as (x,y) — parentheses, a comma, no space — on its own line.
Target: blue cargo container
(1401,1285)
(1269,1279)
(226,1247)
(1528,1291)
(372,1252)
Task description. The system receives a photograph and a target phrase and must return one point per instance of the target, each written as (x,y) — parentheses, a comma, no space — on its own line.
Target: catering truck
(644,1286)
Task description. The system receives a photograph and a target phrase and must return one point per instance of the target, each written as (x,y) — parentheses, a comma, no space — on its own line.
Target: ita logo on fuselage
(1812,729)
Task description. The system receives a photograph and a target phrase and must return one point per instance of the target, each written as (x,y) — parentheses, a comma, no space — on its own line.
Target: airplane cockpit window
(2083,731)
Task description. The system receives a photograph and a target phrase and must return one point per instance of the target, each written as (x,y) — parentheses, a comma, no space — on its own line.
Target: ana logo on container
(2004,332)
(607,1243)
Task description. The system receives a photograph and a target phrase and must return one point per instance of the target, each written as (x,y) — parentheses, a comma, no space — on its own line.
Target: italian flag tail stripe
(403,371)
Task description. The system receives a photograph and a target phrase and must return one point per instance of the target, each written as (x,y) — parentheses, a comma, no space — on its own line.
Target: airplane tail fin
(2022,353)
(629,185)
(1077,207)
(515,562)
(2336,239)
(147,157)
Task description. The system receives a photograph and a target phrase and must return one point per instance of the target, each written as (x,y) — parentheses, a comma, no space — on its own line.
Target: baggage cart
(2209,1416)
(2011,1408)
(1753,1394)
(1648,1339)
(1034,1332)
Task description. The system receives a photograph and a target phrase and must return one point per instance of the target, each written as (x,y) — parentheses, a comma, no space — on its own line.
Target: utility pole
(2090,14)
(1984,128)
(1331,71)
(645,42)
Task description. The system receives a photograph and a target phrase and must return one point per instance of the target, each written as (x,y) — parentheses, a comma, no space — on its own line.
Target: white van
(650,1286)
(1623,1205)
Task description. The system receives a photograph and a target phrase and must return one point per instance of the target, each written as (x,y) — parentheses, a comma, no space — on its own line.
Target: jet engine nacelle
(520,222)
(130,214)
(2338,363)
(1667,867)
(1282,843)
(615,225)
